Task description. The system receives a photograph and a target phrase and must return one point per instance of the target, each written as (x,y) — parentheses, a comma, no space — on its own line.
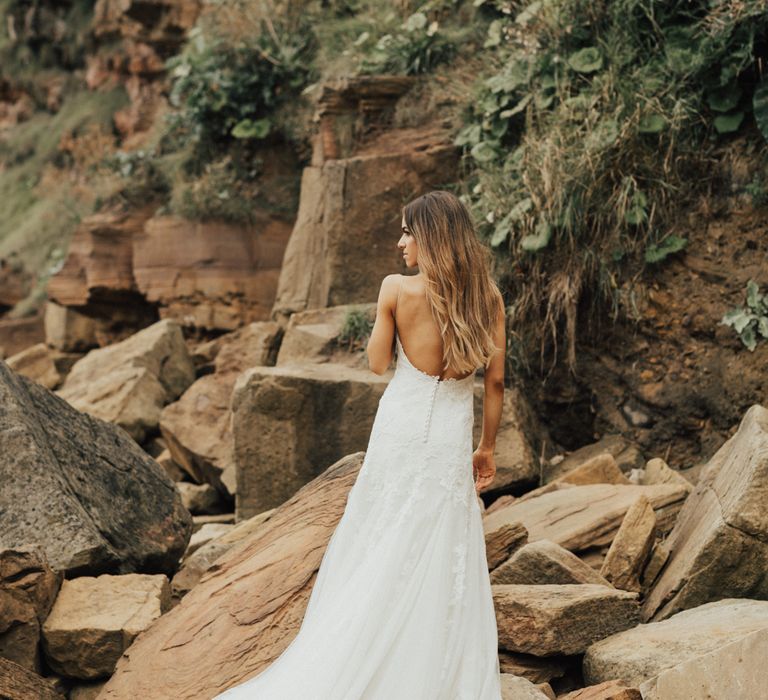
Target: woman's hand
(483,468)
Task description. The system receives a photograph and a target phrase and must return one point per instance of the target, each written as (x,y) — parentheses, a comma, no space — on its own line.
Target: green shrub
(227,91)
(356,329)
(590,129)
(751,320)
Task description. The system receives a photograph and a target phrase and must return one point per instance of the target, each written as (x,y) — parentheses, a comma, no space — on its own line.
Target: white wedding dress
(401,608)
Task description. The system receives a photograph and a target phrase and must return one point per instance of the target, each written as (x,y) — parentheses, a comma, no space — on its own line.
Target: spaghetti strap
(400,286)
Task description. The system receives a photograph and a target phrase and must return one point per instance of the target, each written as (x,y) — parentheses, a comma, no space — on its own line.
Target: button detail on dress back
(429,410)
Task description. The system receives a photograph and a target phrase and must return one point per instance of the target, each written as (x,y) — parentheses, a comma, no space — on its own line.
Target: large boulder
(246,609)
(735,670)
(560,619)
(197,427)
(544,562)
(95,619)
(580,517)
(642,653)
(82,489)
(719,545)
(516,688)
(290,422)
(28,587)
(128,383)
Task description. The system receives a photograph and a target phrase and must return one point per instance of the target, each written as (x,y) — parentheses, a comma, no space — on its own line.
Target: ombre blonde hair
(462,294)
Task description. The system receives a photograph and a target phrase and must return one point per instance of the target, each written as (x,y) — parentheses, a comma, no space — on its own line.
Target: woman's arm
(381,343)
(493,398)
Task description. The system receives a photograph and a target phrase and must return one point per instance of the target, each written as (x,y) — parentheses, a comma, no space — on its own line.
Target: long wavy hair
(462,294)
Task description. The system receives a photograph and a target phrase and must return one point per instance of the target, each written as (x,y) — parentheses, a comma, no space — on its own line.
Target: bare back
(418,331)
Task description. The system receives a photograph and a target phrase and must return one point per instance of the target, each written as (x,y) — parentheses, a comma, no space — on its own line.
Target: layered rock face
(246,609)
(82,489)
(719,545)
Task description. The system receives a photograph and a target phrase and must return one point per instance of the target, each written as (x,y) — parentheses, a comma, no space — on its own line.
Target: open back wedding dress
(401,608)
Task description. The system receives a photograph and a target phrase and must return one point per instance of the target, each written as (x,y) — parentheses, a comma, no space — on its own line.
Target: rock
(735,670)
(719,545)
(128,383)
(645,651)
(206,534)
(198,521)
(544,562)
(69,330)
(197,427)
(610,690)
(657,471)
(312,335)
(290,422)
(537,669)
(15,282)
(82,489)
(516,688)
(198,562)
(560,619)
(250,603)
(28,587)
(600,469)
(86,691)
(321,266)
(506,541)
(210,274)
(19,683)
(631,548)
(659,556)
(580,517)
(17,334)
(626,455)
(174,471)
(95,619)
(200,499)
(37,363)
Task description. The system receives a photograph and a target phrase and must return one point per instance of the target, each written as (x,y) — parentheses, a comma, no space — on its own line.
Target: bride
(401,608)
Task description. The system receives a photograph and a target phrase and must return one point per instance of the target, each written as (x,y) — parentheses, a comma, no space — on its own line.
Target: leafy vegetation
(751,320)
(591,129)
(356,329)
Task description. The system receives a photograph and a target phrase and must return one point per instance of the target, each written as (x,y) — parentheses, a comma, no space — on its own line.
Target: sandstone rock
(536,669)
(544,562)
(69,330)
(197,427)
(719,545)
(128,383)
(290,422)
(626,454)
(19,683)
(200,499)
(320,267)
(516,688)
(631,548)
(207,533)
(645,651)
(211,275)
(86,691)
(506,541)
(15,282)
(657,471)
(37,363)
(198,562)
(736,670)
(579,517)
(95,619)
(560,619)
(656,562)
(82,489)
(250,603)
(17,334)
(28,588)
(600,469)
(610,690)
(198,521)
(311,336)
(174,471)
